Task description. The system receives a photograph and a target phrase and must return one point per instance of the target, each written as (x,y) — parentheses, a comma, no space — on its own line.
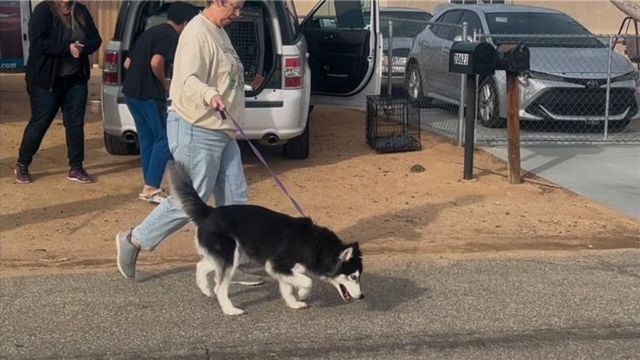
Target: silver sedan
(569,71)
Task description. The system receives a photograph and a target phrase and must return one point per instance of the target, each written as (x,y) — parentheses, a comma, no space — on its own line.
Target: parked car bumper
(555,100)
(117,119)
(273,112)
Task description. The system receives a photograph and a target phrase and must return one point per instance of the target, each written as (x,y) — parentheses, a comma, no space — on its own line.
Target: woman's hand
(76,49)
(216,103)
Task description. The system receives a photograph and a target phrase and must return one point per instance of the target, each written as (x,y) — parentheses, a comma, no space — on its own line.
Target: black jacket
(46,45)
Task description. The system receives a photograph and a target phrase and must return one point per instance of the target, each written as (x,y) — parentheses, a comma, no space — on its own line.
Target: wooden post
(513,128)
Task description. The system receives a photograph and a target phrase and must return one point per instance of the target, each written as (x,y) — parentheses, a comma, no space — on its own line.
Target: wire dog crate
(248,38)
(393,124)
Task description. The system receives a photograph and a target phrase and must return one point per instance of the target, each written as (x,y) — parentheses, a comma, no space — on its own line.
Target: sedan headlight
(523,78)
(545,76)
(634,75)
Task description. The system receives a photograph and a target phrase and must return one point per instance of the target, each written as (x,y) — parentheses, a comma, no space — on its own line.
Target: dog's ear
(346,254)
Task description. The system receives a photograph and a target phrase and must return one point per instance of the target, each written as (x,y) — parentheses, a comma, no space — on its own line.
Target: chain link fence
(580,89)
(438,114)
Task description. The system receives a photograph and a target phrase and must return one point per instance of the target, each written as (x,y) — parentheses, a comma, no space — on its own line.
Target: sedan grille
(584,102)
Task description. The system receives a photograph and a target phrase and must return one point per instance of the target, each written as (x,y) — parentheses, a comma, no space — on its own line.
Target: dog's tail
(182,189)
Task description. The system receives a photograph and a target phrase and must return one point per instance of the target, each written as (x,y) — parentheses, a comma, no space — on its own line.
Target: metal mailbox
(472,58)
(513,58)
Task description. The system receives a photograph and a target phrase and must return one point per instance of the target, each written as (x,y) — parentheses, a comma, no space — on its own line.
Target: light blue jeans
(212,160)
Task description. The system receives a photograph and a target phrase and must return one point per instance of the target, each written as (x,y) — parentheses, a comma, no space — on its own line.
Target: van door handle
(327,68)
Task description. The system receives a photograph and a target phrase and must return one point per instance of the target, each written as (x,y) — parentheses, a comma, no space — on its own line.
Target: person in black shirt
(145,88)
(62,35)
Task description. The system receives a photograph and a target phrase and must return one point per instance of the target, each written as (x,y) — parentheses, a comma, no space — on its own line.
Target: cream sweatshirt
(206,64)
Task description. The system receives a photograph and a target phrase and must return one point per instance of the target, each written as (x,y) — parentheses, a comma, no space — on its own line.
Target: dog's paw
(303,293)
(206,292)
(234,311)
(205,289)
(298,305)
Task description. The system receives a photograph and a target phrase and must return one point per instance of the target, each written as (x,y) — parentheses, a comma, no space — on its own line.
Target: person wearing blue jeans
(150,117)
(213,161)
(208,79)
(145,88)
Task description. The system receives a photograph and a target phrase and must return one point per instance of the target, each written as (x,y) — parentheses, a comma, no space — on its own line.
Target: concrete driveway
(609,174)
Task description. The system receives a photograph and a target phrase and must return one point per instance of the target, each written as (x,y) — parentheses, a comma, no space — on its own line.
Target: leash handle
(223,114)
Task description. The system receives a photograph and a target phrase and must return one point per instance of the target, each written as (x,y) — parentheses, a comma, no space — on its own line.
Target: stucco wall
(599,16)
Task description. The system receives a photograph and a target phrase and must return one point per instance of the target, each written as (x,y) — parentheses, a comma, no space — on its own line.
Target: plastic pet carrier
(393,124)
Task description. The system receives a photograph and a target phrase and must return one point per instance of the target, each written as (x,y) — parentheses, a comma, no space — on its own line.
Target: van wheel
(116,146)
(298,147)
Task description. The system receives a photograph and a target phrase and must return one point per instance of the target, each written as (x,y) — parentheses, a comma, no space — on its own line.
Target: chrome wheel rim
(486,102)
(414,84)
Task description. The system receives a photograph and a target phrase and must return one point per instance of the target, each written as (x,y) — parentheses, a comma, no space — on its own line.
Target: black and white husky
(288,247)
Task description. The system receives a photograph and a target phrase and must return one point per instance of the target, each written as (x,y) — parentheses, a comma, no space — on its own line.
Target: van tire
(116,146)
(298,147)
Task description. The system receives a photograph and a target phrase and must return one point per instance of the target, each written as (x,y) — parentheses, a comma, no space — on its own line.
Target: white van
(332,57)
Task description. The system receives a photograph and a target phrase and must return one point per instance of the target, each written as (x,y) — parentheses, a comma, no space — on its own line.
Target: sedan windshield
(517,23)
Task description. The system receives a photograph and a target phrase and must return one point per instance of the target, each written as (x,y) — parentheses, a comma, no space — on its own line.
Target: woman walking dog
(208,77)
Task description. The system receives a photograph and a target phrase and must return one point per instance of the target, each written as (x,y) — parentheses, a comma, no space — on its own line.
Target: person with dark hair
(146,89)
(62,35)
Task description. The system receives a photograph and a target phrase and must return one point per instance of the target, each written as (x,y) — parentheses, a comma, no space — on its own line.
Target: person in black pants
(62,35)
(145,89)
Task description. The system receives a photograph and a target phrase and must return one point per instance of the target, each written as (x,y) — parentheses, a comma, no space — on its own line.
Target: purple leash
(224,114)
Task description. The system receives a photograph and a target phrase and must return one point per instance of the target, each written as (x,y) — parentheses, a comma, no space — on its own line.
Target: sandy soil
(54,225)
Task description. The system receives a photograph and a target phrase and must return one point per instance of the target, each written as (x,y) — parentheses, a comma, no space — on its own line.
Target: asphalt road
(580,306)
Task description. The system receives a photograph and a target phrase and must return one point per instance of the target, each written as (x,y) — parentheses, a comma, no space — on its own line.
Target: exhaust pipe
(271,139)
(130,137)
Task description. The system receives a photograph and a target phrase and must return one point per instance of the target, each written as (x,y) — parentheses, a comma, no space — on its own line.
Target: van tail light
(293,72)
(111,68)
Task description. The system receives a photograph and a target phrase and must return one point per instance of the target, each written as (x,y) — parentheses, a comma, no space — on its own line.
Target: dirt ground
(54,225)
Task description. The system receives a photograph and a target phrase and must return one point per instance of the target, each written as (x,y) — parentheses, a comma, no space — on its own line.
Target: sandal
(154,197)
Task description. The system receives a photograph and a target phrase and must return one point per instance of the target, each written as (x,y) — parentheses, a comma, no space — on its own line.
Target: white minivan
(332,57)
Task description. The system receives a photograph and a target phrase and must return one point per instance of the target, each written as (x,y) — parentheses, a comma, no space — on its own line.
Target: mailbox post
(513,59)
(472,59)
